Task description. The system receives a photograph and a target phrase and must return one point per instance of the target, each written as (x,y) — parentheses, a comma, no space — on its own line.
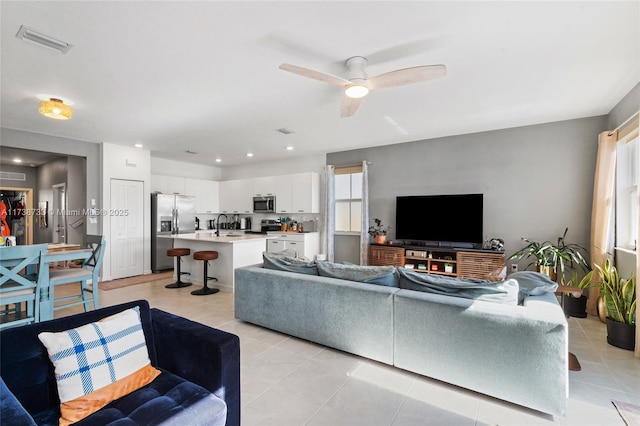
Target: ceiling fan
(358,85)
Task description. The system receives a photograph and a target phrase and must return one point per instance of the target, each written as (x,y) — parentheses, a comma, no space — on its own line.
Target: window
(628,162)
(348,198)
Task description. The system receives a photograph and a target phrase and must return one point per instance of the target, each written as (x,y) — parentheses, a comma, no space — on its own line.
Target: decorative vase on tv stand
(381,239)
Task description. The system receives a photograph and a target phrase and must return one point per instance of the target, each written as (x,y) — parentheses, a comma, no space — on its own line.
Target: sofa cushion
(98,363)
(379,275)
(533,284)
(505,292)
(169,398)
(286,261)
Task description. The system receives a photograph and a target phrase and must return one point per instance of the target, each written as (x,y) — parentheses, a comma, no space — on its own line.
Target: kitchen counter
(234,251)
(223,238)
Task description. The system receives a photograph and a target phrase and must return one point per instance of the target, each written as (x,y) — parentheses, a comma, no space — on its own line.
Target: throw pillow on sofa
(98,363)
(533,284)
(379,275)
(505,292)
(286,261)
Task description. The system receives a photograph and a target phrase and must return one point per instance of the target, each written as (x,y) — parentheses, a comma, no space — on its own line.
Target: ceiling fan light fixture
(56,109)
(356,90)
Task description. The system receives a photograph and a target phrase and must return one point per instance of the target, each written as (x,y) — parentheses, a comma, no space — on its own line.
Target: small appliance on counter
(211,224)
(197,223)
(267,225)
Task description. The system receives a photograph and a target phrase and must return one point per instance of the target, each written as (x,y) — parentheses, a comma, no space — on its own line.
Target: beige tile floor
(288,381)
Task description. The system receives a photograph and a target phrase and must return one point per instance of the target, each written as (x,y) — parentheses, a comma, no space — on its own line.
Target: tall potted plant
(379,231)
(619,297)
(550,258)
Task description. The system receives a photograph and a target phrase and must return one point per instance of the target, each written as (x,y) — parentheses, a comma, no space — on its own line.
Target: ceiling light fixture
(249,154)
(138,145)
(56,109)
(289,148)
(17,160)
(29,34)
(218,160)
(356,90)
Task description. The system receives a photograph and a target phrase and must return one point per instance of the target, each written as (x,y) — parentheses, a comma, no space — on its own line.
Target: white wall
(274,168)
(121,162)
(161,166)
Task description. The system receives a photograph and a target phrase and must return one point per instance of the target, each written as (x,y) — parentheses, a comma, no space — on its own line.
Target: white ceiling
(203,76)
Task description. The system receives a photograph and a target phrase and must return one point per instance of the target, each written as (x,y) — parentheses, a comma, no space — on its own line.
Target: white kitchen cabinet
(304,244)
(298,193)
(306,193)
(168,184)
(263,186)
(284,194)
(236,196)
(206,193)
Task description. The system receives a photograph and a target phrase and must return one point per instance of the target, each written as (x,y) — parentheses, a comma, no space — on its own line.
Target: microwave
(264,204)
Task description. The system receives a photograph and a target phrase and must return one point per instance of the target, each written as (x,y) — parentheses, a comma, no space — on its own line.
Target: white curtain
(364,216)
(328,213)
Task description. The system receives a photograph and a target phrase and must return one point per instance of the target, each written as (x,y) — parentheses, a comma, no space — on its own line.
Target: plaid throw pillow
(99,363)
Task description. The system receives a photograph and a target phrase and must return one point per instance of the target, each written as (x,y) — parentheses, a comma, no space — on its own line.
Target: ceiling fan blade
(349,106)
(316,75)
(406,76)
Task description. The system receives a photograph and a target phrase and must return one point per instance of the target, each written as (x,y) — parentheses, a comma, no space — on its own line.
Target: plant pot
(548,270)
(381,239)
(448,269)
(621,335)
(575,306)
(601,309)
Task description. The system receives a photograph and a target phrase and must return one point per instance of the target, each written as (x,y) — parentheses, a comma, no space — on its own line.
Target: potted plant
(619,297)
(379,231)
(576,306)
(549,257)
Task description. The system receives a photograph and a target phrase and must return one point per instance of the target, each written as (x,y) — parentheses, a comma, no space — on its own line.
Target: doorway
(59,213)
(20,213)
(127,228)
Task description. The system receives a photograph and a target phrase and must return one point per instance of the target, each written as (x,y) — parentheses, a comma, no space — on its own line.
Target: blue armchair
(199,381)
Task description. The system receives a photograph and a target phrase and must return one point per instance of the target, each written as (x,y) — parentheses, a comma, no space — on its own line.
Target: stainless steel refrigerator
(170,215)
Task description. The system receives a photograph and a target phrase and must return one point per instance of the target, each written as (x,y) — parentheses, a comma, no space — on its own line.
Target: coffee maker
(197,223)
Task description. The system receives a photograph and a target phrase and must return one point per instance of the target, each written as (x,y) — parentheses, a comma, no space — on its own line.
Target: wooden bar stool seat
(206,256)
(178,252)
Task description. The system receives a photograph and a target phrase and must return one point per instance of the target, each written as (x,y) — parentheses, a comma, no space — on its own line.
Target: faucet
(218,223)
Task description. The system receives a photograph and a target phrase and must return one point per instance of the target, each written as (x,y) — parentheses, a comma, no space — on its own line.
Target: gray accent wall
(536,180)
(49,174)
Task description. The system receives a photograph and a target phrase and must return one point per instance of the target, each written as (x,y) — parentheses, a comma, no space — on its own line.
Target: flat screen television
(449,220)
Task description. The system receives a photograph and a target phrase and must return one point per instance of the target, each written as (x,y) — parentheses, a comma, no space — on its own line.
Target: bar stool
(206,256)
(178,252)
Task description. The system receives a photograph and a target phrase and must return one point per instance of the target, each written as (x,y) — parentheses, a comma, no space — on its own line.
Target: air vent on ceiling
(188,151)
(13,176)
(285,131)
(29,34)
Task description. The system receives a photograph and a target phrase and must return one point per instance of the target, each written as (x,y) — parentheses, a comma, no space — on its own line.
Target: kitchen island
(234,251)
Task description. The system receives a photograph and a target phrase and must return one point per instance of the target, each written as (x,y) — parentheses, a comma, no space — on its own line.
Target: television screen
(440,218)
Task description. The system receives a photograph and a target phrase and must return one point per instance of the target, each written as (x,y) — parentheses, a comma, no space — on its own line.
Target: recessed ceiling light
(32,165)
(17,160)
(289,148)
(138,145)
(218,160)
(249,154)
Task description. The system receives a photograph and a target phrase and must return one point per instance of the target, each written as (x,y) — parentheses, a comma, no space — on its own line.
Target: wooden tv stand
(464,263)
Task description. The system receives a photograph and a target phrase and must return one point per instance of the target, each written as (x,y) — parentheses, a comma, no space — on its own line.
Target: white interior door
(127,223)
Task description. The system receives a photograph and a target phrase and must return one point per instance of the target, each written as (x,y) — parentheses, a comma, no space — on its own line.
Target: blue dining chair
(17,285)
(90,270)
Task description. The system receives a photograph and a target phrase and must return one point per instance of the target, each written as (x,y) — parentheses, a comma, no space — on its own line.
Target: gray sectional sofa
(517,353)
